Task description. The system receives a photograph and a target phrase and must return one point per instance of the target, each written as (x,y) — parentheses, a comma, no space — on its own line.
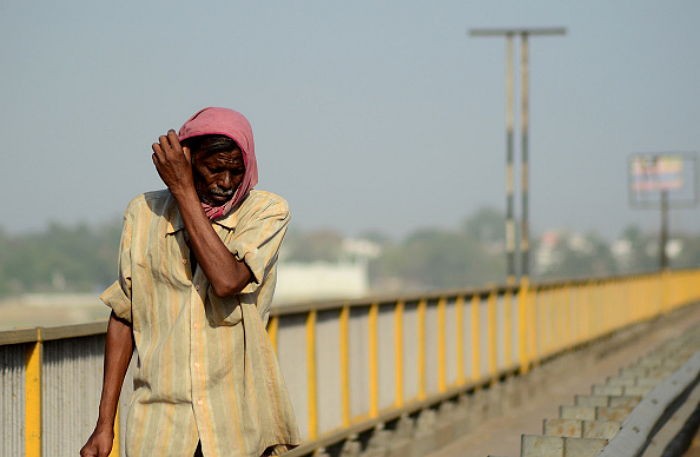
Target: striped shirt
(206,369)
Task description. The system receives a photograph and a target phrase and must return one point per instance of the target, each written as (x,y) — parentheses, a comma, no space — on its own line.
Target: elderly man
(197,269)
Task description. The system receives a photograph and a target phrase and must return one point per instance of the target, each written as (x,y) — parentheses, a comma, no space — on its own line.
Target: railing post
(398,352)
(373,360)
(442,344)
(523,330)
(492,333)
(344,344)
(311,390)
(116,444)
(459,318)
(272,330)
(422,305)
(508,327)
(33,397)
(476,339)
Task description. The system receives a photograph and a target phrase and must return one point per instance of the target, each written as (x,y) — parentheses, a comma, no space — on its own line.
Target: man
(197,269)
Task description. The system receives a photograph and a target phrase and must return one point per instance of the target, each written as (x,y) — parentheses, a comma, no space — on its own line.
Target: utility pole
(524,34)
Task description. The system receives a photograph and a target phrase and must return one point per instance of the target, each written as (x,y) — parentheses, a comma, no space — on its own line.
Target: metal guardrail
(350,366)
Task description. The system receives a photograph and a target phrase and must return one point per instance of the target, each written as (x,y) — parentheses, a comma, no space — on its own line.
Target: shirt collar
(175,223)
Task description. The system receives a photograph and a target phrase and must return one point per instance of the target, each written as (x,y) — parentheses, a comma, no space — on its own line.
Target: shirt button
(200,402)
(196,287)
(196,364)
(184,261)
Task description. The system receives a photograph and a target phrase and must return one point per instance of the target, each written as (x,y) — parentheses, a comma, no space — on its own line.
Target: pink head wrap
(224,121)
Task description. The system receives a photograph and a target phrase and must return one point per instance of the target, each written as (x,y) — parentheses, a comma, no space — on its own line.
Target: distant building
(320,280)
(347,277)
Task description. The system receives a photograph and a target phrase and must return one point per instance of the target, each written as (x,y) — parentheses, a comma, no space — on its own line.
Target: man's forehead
(225,157)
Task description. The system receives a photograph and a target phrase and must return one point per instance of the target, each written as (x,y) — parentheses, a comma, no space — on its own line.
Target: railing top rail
(30,335)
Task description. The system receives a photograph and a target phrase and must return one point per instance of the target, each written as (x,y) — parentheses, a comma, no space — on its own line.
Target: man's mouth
(219,196)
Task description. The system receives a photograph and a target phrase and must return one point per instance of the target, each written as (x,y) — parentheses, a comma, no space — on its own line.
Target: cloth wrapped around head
(230,123)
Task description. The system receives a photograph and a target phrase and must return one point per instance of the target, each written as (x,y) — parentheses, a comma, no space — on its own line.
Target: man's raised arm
(226,275)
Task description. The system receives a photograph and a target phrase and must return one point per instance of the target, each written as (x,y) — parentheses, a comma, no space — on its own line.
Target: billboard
(653,175)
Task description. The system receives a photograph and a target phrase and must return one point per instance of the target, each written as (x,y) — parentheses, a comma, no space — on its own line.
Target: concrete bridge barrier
(390,375)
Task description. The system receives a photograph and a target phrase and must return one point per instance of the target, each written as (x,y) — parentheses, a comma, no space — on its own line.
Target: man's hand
(173,163)
(99,444)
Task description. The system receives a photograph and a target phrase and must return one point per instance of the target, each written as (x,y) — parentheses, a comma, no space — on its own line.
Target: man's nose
(225,182)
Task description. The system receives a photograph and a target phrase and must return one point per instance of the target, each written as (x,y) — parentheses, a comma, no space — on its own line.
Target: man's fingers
(187,153)
(157,153)
(164,145)
(174,140)
(169,144)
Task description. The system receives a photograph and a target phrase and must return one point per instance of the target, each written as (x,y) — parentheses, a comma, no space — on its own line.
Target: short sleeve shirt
(206,369)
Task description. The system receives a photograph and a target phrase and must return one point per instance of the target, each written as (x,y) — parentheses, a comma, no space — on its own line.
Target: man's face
(217,175)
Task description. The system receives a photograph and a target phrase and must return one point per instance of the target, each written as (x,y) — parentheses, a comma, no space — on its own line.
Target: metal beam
(499,32)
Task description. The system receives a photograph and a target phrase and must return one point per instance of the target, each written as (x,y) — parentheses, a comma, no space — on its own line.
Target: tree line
(83,258)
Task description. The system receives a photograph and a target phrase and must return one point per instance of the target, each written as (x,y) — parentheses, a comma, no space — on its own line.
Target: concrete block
(621,381)
(399,448)
(321,452)
(445,426)
(495,400)
(602,389)
(446,411)
(618,414)
(625,401)
(637,391)
(634,371)
(378,444)
(651,381)
(351,448)
(600,429)
(424,439)
(577,412)
(541,446)
(402,438)
(591,400)
(651,361)
(583,447)
(520,393)
(404,427)
(563,427)
(461,415)
(479,408)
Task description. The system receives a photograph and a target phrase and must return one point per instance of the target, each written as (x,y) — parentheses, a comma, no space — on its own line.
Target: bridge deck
(501,435)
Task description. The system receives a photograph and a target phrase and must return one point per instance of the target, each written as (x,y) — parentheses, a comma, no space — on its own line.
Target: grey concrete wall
(71,387)
(328,363)
(291,347)
(12,399)
(387,357)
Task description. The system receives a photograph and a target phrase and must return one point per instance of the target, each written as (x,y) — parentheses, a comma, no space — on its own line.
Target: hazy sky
(367,114)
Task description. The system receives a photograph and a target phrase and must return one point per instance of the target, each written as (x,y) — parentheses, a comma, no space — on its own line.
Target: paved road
(500,436)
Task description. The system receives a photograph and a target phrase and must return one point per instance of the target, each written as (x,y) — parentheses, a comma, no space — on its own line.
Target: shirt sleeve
(256,242)
(118,295)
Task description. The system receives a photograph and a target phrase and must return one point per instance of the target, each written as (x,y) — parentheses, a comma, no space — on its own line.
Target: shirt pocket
(166,260)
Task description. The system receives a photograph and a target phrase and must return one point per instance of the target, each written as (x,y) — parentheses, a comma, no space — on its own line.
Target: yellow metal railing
(356,363)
